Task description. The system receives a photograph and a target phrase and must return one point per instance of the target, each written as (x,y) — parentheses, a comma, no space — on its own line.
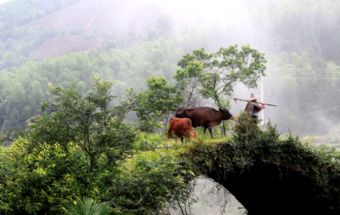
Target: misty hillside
(87,24)
(77,25)
(89,88)
(127,41)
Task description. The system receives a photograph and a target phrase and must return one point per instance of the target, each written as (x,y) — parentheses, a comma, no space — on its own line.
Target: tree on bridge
(213,75)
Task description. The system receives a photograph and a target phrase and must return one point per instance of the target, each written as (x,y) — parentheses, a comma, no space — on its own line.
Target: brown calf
(182,128)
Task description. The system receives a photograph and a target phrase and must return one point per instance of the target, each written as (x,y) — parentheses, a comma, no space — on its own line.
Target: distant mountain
(43,28)
(18,12)
(102,17)
(87,24)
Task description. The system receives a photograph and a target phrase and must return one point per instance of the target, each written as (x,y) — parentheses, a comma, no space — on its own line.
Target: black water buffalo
(206,117)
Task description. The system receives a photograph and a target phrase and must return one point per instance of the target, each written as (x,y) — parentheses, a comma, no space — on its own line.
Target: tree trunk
(93,162)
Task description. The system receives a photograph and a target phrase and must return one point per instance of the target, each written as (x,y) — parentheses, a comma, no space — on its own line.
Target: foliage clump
(80,147)
(153,105)
(88,207)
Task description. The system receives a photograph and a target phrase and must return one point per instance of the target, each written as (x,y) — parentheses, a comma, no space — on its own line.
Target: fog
(3,1)
(299,40)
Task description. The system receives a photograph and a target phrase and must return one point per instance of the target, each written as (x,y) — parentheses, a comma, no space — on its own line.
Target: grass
(153,141)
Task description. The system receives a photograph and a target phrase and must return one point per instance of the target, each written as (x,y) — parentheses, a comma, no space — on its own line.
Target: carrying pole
(245,100)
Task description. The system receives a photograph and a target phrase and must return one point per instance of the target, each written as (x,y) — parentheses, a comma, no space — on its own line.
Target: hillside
(71,27)
(88,89)
(101,17)
(64,44)
(300,44)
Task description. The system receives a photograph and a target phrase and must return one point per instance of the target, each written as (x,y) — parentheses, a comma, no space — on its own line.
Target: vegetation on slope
(17,41)
(22,90)
(302,51)
(80,147)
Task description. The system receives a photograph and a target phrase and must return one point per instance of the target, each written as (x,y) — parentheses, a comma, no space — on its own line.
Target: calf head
(193,134)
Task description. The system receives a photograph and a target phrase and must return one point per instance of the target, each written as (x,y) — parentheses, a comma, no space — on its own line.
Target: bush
(88,207)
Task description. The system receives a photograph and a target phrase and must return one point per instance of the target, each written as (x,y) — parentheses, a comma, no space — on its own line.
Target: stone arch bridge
(270,176)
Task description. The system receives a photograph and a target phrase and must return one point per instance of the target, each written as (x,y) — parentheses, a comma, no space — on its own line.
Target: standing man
(253,107)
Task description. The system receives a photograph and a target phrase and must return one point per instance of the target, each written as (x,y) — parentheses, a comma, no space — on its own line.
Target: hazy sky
(3,1)
(215,11)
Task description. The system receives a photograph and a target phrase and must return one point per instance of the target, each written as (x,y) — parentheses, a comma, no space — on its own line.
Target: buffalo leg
(210,131)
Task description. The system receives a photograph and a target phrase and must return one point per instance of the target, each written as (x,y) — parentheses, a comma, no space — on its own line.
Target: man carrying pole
(253,107)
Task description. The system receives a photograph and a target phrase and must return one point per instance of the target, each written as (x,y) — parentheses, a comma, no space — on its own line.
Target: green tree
(149,181)
(218,72)
(188,80)
(87,120)
(42,180)
(154,104)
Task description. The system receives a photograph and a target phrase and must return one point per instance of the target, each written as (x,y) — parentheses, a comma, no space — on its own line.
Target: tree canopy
(214,75)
